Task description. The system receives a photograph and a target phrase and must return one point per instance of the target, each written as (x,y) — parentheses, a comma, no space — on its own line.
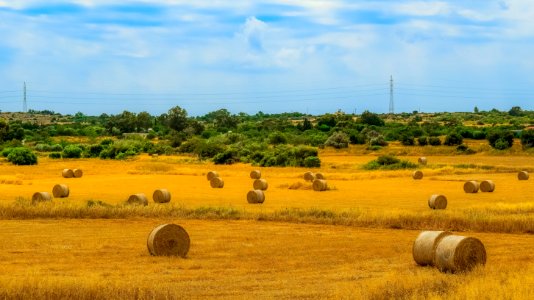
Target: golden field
(351,242)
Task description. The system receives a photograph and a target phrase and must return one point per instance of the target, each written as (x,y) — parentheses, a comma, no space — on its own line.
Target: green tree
(515,111)
(143,121)
(176,118)
(370,118)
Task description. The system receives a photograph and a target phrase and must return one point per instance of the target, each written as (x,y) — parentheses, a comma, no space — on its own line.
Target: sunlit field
(352,241)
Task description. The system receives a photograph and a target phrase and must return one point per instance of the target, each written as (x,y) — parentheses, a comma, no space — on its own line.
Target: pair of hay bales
(259,183)
(448,252)
(318,181)
(168,240)
(523,175)
(159,196)
(216,182)
(310,176)
(58,191)
(75,173)
(472,186)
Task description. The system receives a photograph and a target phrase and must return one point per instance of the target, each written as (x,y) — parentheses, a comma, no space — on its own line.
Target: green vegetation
(21,156)
(389,162)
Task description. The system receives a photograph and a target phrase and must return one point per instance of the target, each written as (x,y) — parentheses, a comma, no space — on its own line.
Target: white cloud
(423,8)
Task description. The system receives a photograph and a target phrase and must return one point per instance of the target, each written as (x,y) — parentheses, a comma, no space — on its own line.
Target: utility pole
(391,105)
(24,103)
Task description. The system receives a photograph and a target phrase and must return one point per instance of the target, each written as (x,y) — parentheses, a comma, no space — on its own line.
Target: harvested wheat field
(352,241)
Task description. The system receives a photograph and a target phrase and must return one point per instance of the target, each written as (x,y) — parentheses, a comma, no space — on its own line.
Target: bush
(407,140)
(72,151)
(94,150)
(22,156)
(434,141)
(6,151)
(465,149)
(504,138)
(312,162)
(389,162)
(54,155)
(527,138)
(338,140)
(453,139)
(277,138)
(422,140)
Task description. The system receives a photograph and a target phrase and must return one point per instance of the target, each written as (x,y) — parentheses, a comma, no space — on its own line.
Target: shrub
(277,138)
(422,140)
(434,141)
(6,151)
(505,139)
(72,151)
(312,162)
(22,156)
(453,139)
(94,150)
(227,157)
(54,155)
(389,162)
(407,140)
(338,140)
(42,148)
(527,138)
(465,149)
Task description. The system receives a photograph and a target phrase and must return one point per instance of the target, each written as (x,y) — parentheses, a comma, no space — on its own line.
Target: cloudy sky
(312,56)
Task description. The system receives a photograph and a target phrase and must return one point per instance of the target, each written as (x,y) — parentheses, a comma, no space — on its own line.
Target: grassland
(352,242)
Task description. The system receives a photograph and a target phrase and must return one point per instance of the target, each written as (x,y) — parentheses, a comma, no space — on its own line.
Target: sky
(308,56)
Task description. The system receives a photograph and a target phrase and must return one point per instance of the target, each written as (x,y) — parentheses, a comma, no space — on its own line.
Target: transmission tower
(24,103)
(391,105)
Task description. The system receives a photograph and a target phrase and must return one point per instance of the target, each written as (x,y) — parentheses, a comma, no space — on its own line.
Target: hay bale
(424,247)
(60,191)
(260,184)
(319,176)
(487,186)
(255,196)
(217,183)
(456,253)
(77,173)
(523,175)
(161,196)
(309,176)
(437,202)
(422,160)
(67,173)
(211,175)
(41,197)
(137,199)
(417,175)
(255,174)
(471,186)
(319,185)
(168,240)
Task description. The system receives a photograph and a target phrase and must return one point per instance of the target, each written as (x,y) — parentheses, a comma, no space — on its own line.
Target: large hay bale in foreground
(456,253)
(437,202)
(319,185)
(67,173)
(422,160)
(168,240)
(417,175)
(471,186)
(309,176)
(319,176)
(260,184)
(137,199)
(487,186)
(41,197)
(212,174)
(523,175)
(60,191)
(217,183)
(255,196)
(161,196)
(77,173)
(255,174)
(424,247)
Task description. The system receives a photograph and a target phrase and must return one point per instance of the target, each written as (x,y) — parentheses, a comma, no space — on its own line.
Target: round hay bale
(422,160)
(319,176)
(137,199)
(319,185)
(309,176)
(424,247)
(67,173)
(471,186)
(255,174)
(456,253)
(161,196)
(523,175)
(255,196)
(487,186)
(417,175)
(168,240)
(60,191)
(77,173)
(217,183)
(437,202)
(41,197)
(211,175)
(260,184)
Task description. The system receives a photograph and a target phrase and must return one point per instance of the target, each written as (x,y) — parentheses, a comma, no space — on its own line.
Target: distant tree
(143,121)
(515,111)
(222,120)
(500,139)
(176,118)
(370,118)
(527,138)
(476,110)
(453,139)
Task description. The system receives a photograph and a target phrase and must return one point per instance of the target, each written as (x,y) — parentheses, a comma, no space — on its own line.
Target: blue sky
(314,56)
